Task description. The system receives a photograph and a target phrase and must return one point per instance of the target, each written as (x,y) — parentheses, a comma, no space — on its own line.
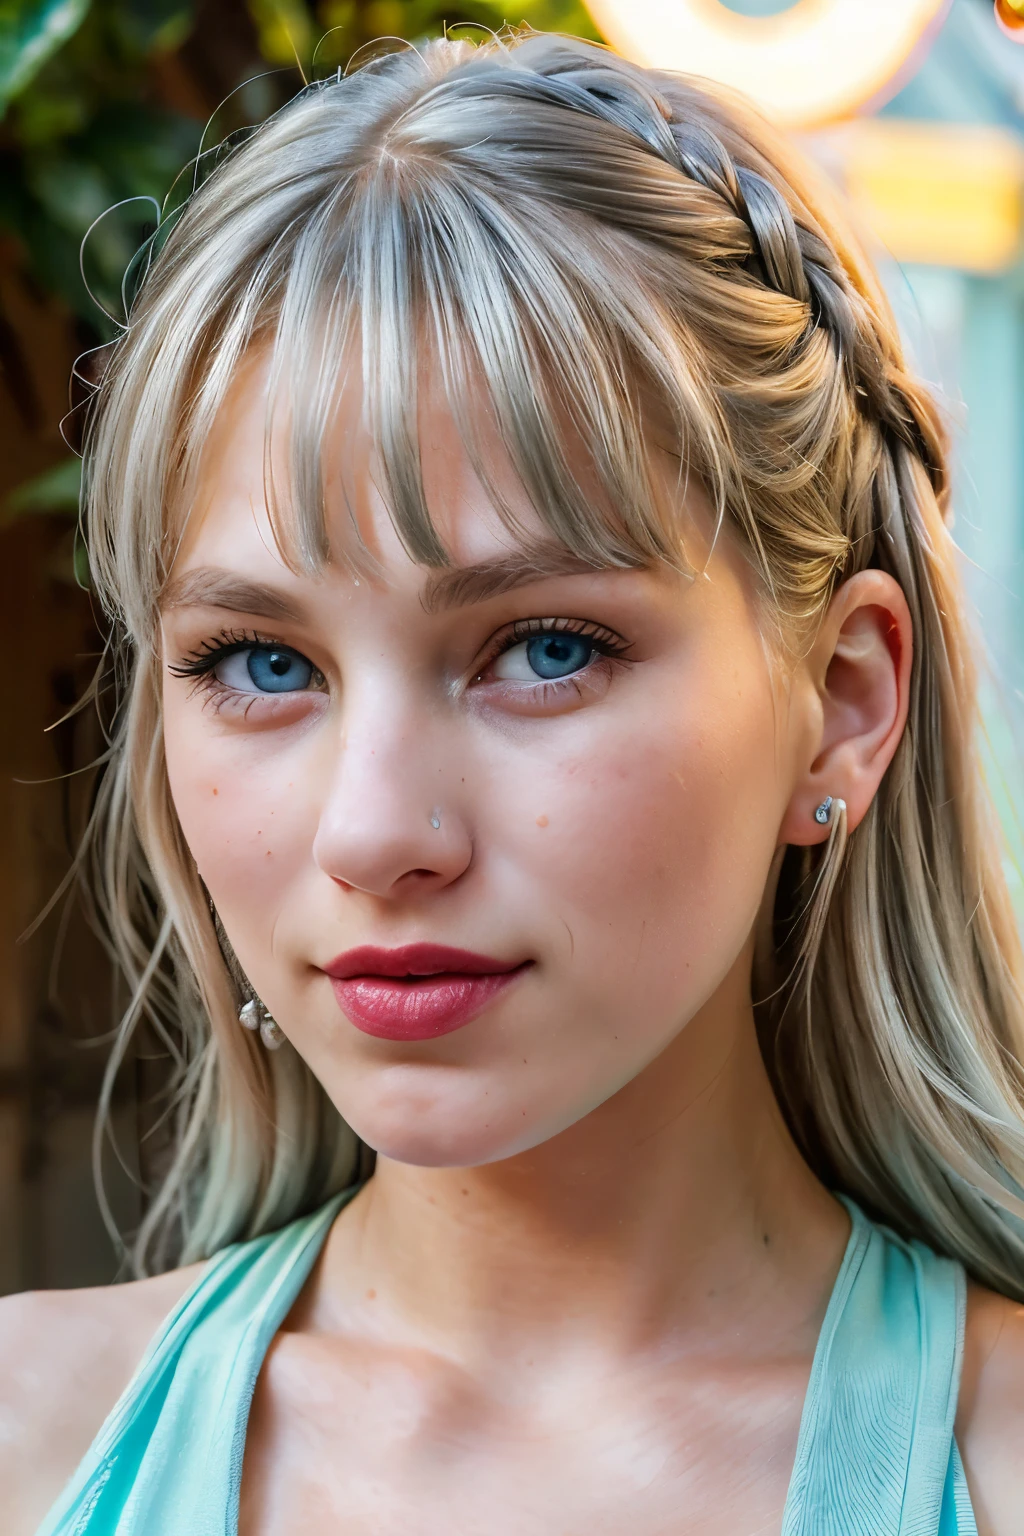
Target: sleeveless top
(875,1455)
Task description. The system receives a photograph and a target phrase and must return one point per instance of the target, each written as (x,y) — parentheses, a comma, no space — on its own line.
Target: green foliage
(324,36)
(105,102)
(90,123)
(85,135)
(30,30)
(55,490)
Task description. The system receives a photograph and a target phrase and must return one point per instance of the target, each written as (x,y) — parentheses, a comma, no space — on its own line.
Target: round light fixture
(814,63)
(1010,18)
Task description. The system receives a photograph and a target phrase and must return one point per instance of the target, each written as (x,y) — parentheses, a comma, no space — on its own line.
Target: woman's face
(578,777)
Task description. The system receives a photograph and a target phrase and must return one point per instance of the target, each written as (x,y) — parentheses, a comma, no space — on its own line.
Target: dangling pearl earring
(256,1015)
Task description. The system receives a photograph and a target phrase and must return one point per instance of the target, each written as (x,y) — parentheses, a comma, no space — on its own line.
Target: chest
(377,1443)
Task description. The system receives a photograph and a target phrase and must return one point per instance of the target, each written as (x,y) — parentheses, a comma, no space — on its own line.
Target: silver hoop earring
(255,1015)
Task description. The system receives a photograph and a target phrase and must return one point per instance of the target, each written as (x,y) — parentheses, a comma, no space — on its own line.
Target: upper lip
(415,960)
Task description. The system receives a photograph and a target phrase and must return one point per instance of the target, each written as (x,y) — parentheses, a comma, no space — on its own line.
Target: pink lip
(418,991)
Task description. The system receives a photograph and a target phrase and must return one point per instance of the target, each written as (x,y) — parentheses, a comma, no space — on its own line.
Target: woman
(546,762)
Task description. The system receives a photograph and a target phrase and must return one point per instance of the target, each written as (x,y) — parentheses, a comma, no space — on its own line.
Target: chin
(427,1145)
(436,1131)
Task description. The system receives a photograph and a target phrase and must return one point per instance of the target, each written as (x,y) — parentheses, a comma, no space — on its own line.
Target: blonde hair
(590,245)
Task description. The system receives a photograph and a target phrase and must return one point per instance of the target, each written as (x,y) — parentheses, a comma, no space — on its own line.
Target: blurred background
(107,100)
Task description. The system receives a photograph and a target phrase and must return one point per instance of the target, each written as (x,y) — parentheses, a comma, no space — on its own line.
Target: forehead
(244,507)
(230,556)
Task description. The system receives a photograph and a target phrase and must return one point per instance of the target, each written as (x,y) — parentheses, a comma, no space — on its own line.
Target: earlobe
(828,808)
(860,664)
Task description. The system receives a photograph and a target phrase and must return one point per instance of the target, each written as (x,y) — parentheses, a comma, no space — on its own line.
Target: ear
(859,669)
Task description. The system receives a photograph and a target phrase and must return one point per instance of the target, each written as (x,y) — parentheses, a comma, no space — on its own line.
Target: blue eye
(265,669)
(278,671)
(549,657)
(558,655)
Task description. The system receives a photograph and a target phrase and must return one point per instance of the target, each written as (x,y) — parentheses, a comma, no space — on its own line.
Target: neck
(680,1206)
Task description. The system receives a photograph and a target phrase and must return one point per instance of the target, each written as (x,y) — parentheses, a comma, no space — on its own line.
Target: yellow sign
(817,62)
(944,193)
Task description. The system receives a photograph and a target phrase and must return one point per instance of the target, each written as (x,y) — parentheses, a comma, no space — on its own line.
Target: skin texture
(583,1289)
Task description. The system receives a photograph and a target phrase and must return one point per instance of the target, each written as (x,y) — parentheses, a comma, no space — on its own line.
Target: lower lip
(421,1008)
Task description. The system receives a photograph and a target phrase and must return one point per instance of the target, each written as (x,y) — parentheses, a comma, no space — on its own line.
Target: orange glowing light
(1010,18)
(817,62)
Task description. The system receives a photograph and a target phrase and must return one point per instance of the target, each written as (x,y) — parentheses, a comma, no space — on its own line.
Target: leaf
(30,31)
(55,490)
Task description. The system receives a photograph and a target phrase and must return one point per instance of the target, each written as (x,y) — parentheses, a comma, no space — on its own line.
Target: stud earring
(823,814)
(435,821)
(255,1015)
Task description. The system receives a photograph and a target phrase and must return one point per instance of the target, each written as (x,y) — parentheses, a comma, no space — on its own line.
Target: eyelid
(519,630)
(209,653)
(199,665)
(199,669)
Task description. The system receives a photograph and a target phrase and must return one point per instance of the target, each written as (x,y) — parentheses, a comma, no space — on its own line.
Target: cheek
(248,828)
(656,842)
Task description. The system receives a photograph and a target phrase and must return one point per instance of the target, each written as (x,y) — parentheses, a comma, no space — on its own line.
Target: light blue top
(875,1455)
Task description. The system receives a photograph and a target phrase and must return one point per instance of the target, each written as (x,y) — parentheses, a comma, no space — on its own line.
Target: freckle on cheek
(542,821)
(216,790)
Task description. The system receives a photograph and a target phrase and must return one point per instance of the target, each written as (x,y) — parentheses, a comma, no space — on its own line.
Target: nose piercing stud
(435,821)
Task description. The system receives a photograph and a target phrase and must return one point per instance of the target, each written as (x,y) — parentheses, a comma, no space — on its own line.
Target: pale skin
(582,1291)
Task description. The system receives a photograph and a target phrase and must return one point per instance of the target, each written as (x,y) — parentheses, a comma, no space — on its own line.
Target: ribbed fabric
(875,1456)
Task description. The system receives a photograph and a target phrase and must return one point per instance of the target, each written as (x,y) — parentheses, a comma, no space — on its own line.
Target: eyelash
(200,665)
(606,641)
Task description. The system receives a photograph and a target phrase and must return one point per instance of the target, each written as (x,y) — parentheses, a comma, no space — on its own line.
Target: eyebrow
(214,587)
(468,584)
(210,587)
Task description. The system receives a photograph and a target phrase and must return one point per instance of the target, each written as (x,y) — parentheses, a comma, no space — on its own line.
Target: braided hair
(597,250)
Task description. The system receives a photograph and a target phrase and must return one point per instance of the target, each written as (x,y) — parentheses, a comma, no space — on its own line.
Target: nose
(387,826)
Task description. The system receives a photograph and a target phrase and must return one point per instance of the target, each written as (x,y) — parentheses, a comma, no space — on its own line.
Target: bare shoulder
(65,1359)
(990,1417)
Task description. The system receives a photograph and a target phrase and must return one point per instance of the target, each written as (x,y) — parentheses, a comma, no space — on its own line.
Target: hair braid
(786,255)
